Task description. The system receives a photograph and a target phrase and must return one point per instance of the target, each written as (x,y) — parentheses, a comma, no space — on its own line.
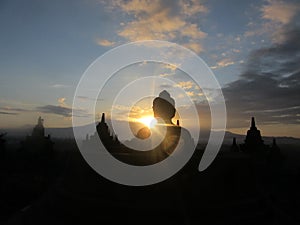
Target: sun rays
(149,121)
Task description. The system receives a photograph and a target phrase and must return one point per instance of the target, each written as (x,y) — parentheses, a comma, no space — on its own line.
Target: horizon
(243,131)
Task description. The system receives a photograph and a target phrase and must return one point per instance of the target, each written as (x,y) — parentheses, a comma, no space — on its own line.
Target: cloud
(276,15)
(223,63)
(192,31)
(196,47)
(59,86)
(61,110)
(171,67)
(279,11)
(54,109)
(238,39)
(190,93)
(7,110)
(236,50)
(165,74)
(192,7)
(105,42)
(269,86)
(185,85)
(161,19)
(62,101)
(8,113)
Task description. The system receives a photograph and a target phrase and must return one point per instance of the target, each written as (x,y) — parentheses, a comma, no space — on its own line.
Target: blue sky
(47,45)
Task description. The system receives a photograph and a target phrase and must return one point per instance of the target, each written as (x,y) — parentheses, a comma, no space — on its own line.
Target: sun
(149,121)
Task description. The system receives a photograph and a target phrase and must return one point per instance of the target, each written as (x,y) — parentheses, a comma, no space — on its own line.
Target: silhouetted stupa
(234,146)
(253,141)
(108,140)
(38,143)
(104,132)
(275,155)
(39,130)
(253,137)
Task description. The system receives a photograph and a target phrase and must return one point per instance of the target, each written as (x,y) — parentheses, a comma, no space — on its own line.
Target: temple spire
(253,127)
(40,121)
(253,140)
(39,130)
(103,118)
(234,146)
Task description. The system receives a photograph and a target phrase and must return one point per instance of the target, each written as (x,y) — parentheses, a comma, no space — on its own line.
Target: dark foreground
(237,188)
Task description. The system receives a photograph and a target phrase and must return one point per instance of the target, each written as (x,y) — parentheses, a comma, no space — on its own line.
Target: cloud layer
(161,19)
(269,87)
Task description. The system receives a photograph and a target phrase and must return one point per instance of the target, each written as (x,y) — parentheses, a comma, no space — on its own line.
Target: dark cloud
(270,86)
(8,113)
(12,111)
(60,110)
(54,109)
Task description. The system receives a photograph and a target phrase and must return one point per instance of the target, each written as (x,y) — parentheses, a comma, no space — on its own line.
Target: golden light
(149,121)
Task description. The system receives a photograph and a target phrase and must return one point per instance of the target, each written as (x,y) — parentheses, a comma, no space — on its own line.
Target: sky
(251,46)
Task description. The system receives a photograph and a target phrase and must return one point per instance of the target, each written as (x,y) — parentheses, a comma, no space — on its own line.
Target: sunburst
(149,121)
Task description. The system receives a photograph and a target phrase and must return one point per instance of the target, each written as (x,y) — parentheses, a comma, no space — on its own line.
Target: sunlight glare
(149,121)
